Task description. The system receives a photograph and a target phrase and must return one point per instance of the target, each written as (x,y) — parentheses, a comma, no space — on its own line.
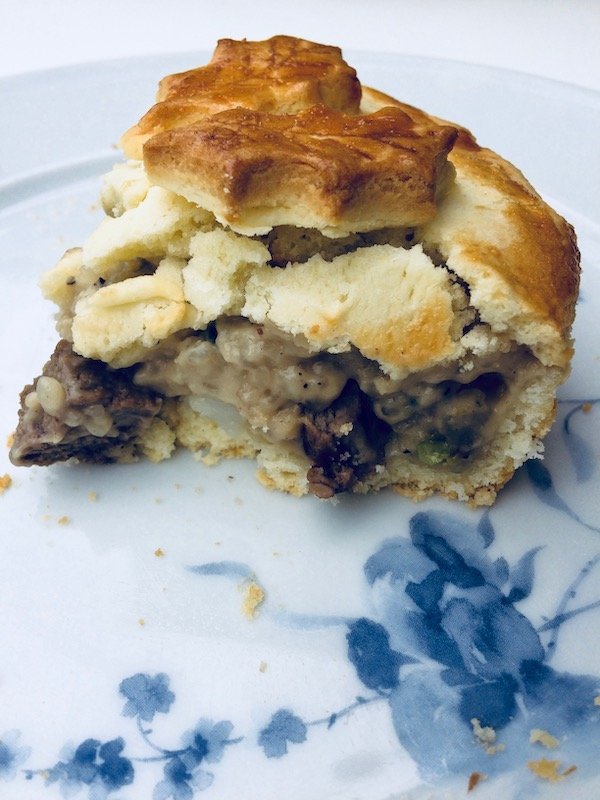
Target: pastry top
(281,75)
(280,133)
(315,169)
(269,133)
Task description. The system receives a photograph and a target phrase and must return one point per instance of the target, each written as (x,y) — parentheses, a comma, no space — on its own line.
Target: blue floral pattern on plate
(450,654)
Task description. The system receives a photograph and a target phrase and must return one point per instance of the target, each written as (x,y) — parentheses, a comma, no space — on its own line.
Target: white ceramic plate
(128,669)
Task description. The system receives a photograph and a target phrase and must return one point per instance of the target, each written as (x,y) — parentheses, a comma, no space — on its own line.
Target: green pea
(433,452)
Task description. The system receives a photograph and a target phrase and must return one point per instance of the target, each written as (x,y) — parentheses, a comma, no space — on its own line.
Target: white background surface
(553,38)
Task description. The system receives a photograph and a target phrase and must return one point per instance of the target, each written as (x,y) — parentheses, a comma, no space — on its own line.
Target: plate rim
(348,54)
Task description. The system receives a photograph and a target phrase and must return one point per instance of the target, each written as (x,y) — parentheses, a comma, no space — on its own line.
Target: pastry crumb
(5,482)
(254,596)
(586,408)
(92,496)
(486,737)
(543,737)
(597,700)
(474,779)
(141,622)
(159,552)
(549,770)
(10,440)
(64,520)
(262,666)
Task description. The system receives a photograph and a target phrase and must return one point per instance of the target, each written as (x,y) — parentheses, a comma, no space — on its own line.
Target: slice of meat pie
(296,269)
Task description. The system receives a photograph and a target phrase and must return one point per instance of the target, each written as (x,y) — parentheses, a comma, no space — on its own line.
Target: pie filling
(341,409)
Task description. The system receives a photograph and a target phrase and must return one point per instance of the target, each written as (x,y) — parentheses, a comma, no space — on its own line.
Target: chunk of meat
(345,442)
(80,408)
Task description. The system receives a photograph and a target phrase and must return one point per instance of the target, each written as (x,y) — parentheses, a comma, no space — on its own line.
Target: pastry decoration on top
(270,133)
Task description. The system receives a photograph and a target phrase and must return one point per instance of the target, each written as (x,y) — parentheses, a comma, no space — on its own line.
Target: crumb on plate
(549,770)
(486,737)
(474,779)
(254,596)
(543,737)
(5,483)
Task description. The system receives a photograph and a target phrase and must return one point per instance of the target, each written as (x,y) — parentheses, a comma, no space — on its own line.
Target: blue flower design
(11,755)
(182,772)
(446,647)
(284,727)
(100,767)
(475,655)
(369,650)
(209,739)
(146,696)
(182,778)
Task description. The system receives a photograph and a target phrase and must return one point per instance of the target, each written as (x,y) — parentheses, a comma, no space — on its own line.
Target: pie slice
(299,270)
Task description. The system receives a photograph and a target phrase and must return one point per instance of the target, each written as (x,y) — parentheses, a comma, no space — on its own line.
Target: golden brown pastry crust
(269,133)
(519,257)
(281,75)
(541,263)
(317,168)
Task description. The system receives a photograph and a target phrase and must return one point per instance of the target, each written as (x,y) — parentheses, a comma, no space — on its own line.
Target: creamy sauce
(273,380)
